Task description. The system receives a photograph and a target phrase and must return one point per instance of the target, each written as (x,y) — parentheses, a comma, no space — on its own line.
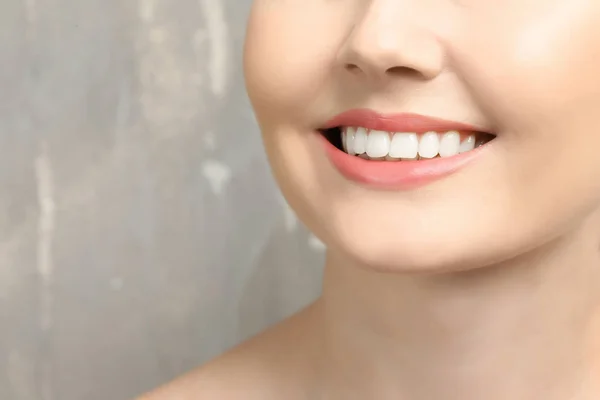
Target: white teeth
(378,144)
(404,145)
(360,141)
(381,145)
(449,144)
(429,145)
(467,145)
(348,140)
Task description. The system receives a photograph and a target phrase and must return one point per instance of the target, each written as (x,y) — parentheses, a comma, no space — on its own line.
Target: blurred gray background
(140,230)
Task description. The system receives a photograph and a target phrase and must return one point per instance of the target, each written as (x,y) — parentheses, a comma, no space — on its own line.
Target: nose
(388,41)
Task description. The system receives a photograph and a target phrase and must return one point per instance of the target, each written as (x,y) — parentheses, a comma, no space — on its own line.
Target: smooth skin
(483,285)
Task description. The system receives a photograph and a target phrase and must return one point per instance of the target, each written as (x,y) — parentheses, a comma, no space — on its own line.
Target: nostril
(352,67)
(396,71)
(404,71)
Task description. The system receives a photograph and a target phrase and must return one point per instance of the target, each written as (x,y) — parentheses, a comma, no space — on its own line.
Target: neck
(523,329)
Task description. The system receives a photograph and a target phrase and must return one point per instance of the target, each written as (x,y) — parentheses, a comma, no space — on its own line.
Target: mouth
(400,151)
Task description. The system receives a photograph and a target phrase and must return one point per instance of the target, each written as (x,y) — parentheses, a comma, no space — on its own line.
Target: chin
(413,251)
(388,233)
(412,260)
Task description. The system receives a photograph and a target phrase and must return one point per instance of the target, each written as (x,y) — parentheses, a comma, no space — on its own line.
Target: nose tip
(378,50)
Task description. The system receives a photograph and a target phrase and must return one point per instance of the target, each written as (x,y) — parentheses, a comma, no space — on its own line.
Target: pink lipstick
(402,133)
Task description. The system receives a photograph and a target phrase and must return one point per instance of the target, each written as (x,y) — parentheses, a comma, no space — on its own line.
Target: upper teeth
(404,145)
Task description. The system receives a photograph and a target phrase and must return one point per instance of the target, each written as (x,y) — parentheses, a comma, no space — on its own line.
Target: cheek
(535,72)
(290,53)
(286,69)
(538,65)
(539,79)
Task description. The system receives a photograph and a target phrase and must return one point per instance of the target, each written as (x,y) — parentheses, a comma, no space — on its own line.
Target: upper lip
(402,122)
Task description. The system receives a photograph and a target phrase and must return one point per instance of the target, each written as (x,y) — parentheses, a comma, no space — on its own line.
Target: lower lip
(396,175)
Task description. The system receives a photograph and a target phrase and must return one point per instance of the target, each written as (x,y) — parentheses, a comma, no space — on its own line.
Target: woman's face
(525,71)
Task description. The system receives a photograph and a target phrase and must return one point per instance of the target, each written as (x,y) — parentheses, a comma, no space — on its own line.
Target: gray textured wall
(140,230)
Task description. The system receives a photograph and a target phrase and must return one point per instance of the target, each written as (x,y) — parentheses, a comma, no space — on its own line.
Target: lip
(405,122)
(397,175)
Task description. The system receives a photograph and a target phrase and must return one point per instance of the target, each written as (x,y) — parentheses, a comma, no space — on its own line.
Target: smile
(399,151)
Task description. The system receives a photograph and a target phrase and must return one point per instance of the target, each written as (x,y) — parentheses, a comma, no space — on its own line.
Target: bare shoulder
(273,365)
